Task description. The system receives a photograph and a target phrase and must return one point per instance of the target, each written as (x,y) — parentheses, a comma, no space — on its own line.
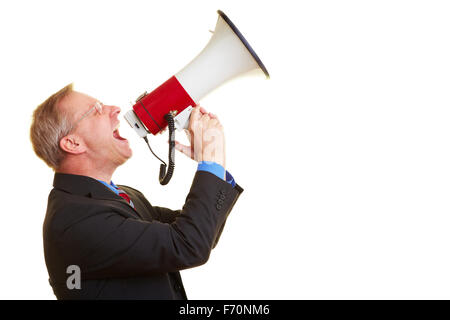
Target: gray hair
(49,125)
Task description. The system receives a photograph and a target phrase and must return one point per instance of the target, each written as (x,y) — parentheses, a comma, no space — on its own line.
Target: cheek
(98,135)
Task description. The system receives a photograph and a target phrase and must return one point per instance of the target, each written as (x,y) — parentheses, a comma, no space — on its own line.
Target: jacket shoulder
(65,210)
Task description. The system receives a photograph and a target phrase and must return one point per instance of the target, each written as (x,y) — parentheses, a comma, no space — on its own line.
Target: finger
(188,134)
(213,123)
(194,118)
(195,113)
(212,116)
(186,150)
(203,110)
(206,116)
(204,120)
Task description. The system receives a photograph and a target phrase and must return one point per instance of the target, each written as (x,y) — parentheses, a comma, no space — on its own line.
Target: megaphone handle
(164,177)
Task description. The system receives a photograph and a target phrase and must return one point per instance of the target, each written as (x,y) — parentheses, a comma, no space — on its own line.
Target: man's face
(97,132)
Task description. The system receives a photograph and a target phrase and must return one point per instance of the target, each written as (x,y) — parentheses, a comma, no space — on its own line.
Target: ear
(72,144)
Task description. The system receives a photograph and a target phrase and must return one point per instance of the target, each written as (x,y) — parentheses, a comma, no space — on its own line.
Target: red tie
(126,197)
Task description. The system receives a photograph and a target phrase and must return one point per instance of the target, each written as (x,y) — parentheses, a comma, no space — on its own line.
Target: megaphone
(226,56)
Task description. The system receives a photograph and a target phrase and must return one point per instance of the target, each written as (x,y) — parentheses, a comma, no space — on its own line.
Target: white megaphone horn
(226,56)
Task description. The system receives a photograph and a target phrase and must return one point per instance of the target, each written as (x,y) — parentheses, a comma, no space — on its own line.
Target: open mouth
(117,135)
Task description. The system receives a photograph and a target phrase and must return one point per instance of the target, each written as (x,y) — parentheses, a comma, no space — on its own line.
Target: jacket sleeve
(107,244)
(166,215)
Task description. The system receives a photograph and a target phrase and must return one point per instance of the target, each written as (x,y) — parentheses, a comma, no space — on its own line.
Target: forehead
(76,103)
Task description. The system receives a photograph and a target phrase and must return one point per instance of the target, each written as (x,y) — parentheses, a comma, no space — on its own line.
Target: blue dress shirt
(115,189)
(217,170)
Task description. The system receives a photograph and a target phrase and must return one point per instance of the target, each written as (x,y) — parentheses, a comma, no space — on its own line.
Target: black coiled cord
(164,177)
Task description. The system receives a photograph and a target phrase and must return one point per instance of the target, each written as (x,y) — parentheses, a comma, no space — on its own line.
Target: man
(103,241)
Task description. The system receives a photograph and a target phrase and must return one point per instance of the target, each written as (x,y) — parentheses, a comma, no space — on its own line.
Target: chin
(122,150)
(126,155)
(121,161)
(121,156)
(129,155)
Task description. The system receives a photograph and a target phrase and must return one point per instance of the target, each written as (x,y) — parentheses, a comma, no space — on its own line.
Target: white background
(343,153)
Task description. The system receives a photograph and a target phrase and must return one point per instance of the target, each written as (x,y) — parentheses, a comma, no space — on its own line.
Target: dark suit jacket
(126,253)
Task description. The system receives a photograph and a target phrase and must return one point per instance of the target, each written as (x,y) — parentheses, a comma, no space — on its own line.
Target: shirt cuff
(217,170)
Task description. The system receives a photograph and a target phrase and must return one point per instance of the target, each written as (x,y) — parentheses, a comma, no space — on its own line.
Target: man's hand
(205,134)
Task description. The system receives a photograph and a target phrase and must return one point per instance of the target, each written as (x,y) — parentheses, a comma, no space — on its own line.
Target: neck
(85,168)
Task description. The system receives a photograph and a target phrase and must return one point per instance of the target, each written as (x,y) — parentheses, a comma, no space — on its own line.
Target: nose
(114,111)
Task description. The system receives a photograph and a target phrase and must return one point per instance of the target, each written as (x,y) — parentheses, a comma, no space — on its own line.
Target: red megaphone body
(226,56)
